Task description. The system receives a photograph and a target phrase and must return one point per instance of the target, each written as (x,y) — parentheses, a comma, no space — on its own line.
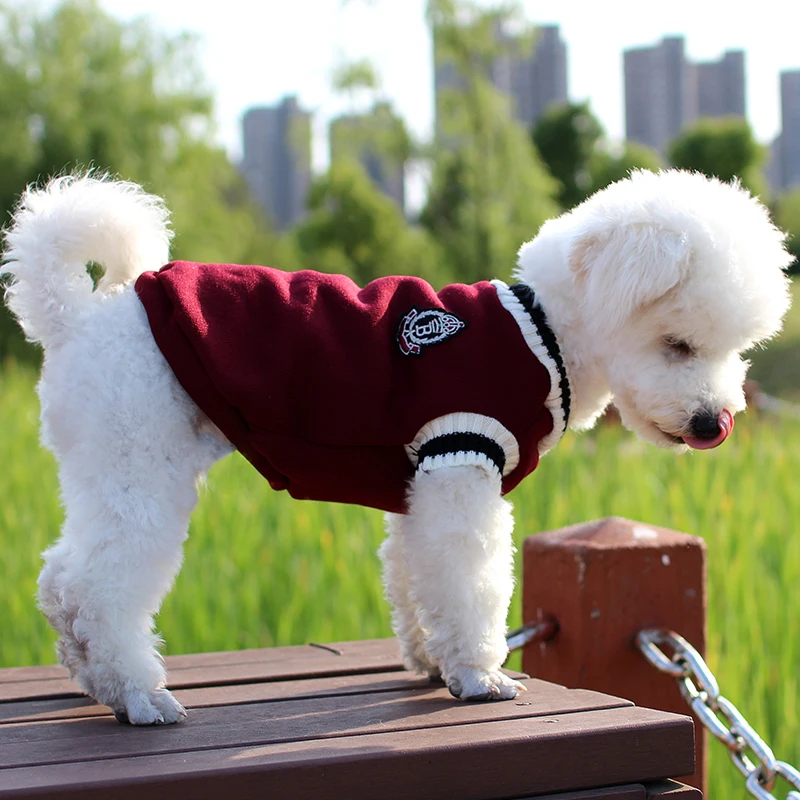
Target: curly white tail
(58,230)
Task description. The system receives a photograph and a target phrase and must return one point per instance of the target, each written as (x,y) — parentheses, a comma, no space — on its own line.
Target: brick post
(604,581)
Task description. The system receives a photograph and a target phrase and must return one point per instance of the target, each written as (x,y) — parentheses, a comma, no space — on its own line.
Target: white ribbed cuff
(444,429)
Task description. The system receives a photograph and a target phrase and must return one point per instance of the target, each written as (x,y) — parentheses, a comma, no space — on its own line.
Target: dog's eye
(678,347)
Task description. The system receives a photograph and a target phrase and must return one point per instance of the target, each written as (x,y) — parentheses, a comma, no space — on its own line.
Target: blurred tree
(446,203)
(787,218)
(610,164)
(566,136)
(372,134)
(483,156)
(88,89)
(352,228)
(378,131)
(81,89)
(214,216)
(572,144)
(724,147)
(352,76)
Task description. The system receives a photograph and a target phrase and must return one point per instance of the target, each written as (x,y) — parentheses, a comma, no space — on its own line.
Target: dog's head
(672,276)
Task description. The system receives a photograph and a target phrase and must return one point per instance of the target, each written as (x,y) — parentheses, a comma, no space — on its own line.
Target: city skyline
(665,92)
(256,55)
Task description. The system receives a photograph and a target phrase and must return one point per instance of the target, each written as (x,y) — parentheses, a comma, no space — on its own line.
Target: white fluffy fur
(655,256)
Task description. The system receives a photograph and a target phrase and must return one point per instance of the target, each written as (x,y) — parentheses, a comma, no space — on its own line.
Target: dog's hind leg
(130,447)
(405,621)
(103,582)
(457,542)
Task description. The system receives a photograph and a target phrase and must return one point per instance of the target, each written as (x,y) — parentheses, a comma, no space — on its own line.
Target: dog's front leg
(457,543)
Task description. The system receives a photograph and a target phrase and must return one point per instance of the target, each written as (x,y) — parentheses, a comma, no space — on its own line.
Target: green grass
(777,368)
(262,570)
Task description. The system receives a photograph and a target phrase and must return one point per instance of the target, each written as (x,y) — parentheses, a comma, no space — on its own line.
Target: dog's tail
(57,231)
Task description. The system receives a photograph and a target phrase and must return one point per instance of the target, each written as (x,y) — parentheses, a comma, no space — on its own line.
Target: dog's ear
(627,268)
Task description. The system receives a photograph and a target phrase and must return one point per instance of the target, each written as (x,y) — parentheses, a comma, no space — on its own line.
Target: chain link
(700,689)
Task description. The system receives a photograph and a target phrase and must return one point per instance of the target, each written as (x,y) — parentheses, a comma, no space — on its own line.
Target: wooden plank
(31,744)
(49,672)
(206,697)
(205,669)
(506,758)
(364,648)
(356,649)
(672,790)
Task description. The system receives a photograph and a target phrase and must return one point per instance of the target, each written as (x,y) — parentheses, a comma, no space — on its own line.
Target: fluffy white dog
(646,294)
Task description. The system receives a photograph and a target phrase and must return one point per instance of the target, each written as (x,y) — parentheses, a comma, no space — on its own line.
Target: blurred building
(534,81)
(377,140)
(665,92)
(788,144)
(720,86)
(772,167)
(534,78)
(276,159)
(656,93)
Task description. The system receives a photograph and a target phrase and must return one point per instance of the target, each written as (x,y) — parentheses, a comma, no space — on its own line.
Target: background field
(262,570)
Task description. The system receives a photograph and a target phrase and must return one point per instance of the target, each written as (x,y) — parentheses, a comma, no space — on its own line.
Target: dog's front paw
(158,707)
(475,684)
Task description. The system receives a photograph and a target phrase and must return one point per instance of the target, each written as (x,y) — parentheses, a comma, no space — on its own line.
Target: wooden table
(340,721)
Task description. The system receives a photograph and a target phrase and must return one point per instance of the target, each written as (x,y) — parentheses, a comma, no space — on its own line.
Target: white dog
(646,294)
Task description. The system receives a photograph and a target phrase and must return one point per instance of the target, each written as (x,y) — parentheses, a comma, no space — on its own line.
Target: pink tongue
(725,428)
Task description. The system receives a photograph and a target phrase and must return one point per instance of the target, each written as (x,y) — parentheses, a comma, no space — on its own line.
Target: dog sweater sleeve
(464,439)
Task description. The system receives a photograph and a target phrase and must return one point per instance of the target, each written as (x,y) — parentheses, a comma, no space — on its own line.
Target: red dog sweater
(334,392)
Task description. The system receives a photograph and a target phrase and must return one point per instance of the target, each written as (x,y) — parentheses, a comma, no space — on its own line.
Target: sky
(256,51)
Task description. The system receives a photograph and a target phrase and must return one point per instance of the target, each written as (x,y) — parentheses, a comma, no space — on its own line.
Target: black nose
(705,425)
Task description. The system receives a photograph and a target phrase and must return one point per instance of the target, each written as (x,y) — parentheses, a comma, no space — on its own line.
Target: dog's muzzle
(707,430)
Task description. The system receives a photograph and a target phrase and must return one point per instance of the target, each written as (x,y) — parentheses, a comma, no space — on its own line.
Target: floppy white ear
(628,268)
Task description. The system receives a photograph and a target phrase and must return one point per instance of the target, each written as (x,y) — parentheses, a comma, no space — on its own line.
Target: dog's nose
(705,425)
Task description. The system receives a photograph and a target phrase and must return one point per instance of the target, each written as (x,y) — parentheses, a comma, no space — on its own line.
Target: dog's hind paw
(158,707)
(474,684)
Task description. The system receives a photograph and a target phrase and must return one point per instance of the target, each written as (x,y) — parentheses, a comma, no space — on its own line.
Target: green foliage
(89,90)
(352,228)
(213,215)
(446,207)
(289,572)
(467,31)
(609,165)
(504,191)
(787,218)
(354,75)
(566,137)
(572,144)
(378,134)
(777,368)
(80,89)
(724,147)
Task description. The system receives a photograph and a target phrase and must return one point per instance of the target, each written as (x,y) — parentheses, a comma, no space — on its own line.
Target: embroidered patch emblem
(419,329)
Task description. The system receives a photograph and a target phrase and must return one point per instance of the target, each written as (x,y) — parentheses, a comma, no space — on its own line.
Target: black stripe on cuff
(463,442)
(527,298)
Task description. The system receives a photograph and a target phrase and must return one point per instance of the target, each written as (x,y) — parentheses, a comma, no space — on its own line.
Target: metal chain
(700,690)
